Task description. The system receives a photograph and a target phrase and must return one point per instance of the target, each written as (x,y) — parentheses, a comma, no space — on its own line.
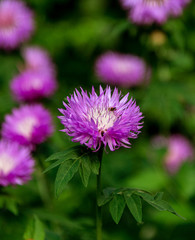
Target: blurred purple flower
(16,23)
(32,85)
(150,11)
(28,125)
(37,59)
(179,151)
(123,70)
(107,119)
(16,164)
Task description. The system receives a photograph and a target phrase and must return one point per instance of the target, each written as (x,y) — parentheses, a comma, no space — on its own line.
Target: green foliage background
(75,33)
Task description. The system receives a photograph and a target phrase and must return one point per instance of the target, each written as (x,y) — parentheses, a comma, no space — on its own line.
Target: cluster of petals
(153,11)
(28,125)
(179,151)
(16,163)
(38,79)
(101,120)
(16,23)
(122,70)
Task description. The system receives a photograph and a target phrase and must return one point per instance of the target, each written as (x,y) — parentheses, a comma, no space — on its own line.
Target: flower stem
(98,192)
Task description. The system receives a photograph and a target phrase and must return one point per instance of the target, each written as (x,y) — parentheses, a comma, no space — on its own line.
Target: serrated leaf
(135,205)
(102,200)
(145,195)
(162,205)
(85,170)
(65,173)
(117,206)
(158,196)
(55,164)
(108,191)
(106,197)
(70,153)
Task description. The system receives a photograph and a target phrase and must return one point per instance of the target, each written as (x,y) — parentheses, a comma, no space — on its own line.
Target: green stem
(98,192)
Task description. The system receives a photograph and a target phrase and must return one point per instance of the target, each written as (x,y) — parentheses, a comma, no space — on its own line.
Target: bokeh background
(75,33)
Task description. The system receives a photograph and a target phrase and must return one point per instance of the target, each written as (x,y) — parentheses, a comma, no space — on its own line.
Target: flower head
(16,23)
(179,151)
(37,59)
(121,69)
(28,125)
(150,11)
(107,119)
(16,163)
(32,85)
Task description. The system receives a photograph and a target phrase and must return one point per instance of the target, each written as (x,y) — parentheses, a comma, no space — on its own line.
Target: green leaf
(39,232)
(69,153)
(145,195)
(162,205)
(95,163)
(55,164)
(11,205)
(106,197)
(85,169)
(29,232)
(102,200)
(158,196)
(117,206)
(35,230)
(135,205)
(65,173)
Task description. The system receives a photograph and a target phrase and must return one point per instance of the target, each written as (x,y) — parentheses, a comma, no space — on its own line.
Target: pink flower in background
(37,59)
(107,119)
(16,164)
(28,125)
(16,23)
(179,151)
(153,11)
(123,70)
(32,85)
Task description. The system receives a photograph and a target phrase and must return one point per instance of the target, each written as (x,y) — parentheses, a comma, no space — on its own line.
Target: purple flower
(16,164)
(37,59)
(32,85)
(121,69)
(16,23)
(107,119)
(28,125)
(179,151)
(150,11)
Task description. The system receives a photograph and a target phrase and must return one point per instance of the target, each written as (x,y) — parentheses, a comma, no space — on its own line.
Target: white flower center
(7,163)
(104,118)
(154,2)
(35,84)
(25,127)
(122,67)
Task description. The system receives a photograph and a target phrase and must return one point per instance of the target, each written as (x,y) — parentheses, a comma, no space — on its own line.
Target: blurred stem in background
(99,209)
(43,183)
